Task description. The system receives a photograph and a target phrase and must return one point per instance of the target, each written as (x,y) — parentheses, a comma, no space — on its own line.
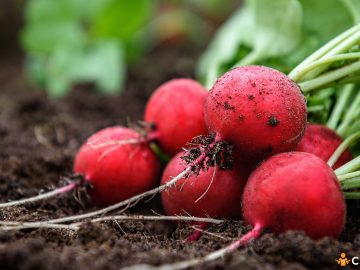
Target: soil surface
(38,140)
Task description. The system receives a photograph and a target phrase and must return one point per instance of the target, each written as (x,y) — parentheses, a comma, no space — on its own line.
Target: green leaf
(44,11)
(269,30)
(104,64)
(74,41)
(277,26)
(327,18)
(224,46)
(61,67)
(354,7)
(35,65)
(121,18)
(46,37)
(286,63)
(282,33)
(85,9)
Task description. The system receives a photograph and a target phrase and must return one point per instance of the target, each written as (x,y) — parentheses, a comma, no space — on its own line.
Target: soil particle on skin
(250,97)
(38,140)
(227,106)
(241,117)
(273,121)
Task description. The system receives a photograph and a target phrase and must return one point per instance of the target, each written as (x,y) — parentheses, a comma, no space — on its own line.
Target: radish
(257,109)
(117,164)
(322,142)
(295,191)
(176,111)
(214,192)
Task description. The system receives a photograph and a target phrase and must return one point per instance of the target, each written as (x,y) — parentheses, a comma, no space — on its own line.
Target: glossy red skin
(221,200)
(258,109)
(295,191)
(177,109)
(117,172)
(322,142)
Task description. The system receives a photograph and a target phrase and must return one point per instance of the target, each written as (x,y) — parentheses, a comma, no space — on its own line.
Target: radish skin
(322,142)
(257,109)
(295,191)
(176,109)
(117,171)
(211,193)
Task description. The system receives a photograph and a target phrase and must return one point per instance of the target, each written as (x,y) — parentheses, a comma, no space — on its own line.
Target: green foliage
(74,41)
(326,18)
(277,33)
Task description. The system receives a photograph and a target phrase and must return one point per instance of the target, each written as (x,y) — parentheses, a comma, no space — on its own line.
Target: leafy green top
(71,41)
(278,34)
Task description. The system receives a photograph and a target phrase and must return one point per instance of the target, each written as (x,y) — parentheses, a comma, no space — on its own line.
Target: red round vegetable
(322,142)
(214,194)
(258,109)
(295,191)
(117,164)
(177,110)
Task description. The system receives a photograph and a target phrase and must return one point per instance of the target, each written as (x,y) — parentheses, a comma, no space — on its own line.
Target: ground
(38,140)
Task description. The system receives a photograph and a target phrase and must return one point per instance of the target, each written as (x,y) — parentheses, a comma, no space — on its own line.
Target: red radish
(214,194)
(257,109)
(295,191)
(322,142)
(177,110)
(118,165)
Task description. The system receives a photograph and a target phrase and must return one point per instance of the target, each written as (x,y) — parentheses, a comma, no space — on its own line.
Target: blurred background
(65,43)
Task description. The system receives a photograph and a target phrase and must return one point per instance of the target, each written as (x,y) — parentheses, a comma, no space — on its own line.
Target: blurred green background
(70,42)
(66,42)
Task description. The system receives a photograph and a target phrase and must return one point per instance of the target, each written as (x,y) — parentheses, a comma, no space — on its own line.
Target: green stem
(350,180)
(325,49)
(351,166)
(211,77)
(340,105)
(329,77)
(315,108)
(326,61)
(341,48)
(353,78)
(347,176)
(350,79)
(353,127)
(323,95)
(352,183)
(342,147)
(352,195)
(161,155)
(345,45)
(349,116)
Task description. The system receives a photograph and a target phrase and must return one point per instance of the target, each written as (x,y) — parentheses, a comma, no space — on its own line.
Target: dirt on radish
(39,139)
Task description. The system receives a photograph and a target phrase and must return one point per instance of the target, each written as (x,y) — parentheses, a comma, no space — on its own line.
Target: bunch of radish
(243,147)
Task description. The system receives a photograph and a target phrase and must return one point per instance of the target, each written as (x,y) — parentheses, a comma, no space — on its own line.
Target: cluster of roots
(218,154)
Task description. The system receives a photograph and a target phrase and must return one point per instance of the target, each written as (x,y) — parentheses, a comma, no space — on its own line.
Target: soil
(38,140)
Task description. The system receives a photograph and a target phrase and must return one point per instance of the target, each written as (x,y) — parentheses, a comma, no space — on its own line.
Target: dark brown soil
(38,140)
